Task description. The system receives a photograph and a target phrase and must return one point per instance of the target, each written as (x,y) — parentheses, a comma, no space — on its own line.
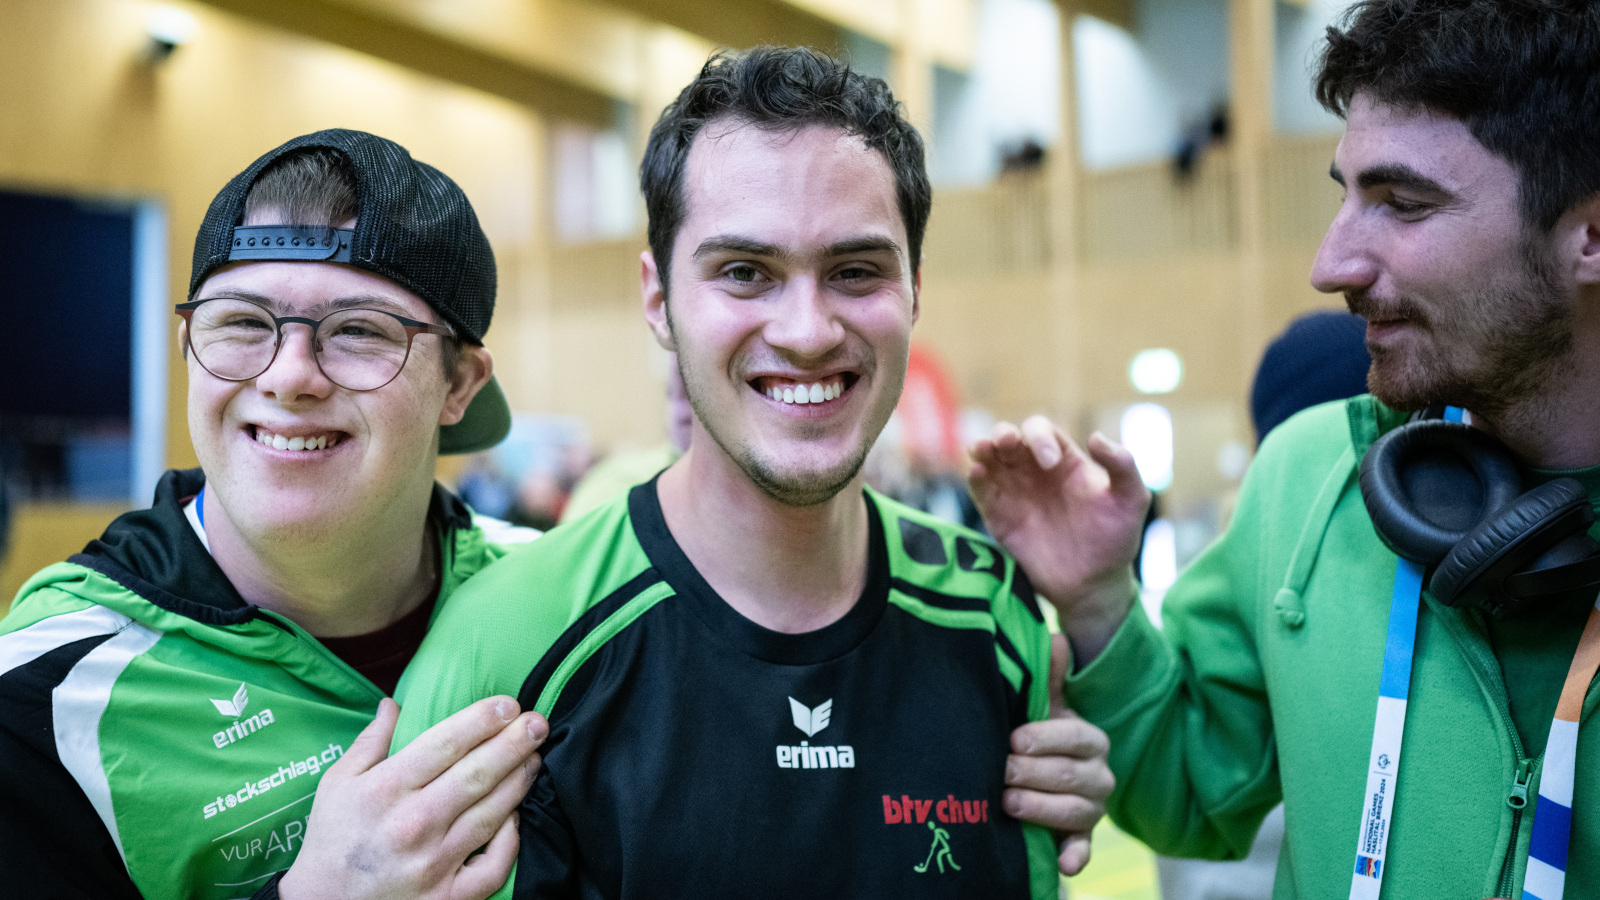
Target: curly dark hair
(1523,75)
(780,89)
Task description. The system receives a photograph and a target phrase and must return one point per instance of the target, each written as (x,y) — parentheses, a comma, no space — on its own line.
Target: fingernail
(505,710)
(1052,455)
(1012,805)
(1011,771)
(536,728)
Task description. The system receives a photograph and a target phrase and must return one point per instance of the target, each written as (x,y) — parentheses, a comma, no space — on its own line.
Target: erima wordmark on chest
(805,756)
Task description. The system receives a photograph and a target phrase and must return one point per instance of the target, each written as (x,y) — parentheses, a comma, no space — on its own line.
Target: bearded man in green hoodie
(1469,240)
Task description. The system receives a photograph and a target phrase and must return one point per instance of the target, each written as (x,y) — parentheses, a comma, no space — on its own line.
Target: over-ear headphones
(1447,495)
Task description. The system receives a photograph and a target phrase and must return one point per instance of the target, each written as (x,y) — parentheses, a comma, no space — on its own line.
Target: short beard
(810,489)
(1519,352)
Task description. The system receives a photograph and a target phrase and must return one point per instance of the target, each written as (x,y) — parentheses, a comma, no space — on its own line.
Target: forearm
(1192,760)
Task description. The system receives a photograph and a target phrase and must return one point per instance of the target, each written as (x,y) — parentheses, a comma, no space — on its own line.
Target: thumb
(1060,662)
(1126,485)
(371,746)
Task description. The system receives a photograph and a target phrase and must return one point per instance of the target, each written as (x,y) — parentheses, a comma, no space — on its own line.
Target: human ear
(473,368)
(655,301)
(1588,240)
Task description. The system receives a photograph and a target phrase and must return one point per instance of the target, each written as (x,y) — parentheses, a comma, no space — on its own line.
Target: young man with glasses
(198,699)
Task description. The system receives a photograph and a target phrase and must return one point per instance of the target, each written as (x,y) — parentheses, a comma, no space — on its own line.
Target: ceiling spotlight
(168,28)
(1156,371)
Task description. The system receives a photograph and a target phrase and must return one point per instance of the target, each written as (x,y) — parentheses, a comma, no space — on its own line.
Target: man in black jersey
(766,680)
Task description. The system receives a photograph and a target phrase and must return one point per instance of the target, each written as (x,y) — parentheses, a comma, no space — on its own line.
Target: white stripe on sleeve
(80,702)
(28,644)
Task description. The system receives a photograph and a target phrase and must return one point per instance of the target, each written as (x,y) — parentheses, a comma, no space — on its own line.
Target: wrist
(1093,615)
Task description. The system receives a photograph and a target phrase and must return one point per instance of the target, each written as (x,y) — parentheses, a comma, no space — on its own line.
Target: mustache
(845,360)
(1371,308)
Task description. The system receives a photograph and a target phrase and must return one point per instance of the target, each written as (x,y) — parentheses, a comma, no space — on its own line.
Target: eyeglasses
(357,349)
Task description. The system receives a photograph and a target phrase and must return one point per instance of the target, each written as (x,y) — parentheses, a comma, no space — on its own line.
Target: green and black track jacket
(160,737)
(694,753)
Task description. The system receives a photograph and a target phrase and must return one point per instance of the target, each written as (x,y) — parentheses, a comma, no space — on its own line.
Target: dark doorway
(66,347)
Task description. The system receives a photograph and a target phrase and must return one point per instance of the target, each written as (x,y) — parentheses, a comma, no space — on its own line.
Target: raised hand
(1072,519)
(1057,775)
(403,826)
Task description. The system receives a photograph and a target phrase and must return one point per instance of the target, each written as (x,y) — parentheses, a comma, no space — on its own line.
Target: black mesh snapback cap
(415,227)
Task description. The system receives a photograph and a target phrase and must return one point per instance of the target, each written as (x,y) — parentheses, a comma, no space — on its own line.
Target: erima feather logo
(808,720)
(234,707)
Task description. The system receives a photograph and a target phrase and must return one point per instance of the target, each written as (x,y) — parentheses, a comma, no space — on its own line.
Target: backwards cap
(415,227)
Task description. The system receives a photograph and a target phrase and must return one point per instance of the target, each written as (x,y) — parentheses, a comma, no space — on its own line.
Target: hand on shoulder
(1071,518)
(1057,774)
(404,826)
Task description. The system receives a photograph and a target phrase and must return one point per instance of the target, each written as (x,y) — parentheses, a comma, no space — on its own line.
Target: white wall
(1138,91)
(1299,41)
(1011,95)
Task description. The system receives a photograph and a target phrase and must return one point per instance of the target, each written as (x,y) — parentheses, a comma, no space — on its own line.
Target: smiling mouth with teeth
(798,393)
(279,442)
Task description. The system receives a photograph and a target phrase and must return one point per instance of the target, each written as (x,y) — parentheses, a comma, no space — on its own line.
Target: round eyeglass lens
(232,339)
(362,349)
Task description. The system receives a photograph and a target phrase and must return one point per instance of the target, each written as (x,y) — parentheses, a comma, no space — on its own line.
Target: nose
(1344,262)
(804,324)
(294,373)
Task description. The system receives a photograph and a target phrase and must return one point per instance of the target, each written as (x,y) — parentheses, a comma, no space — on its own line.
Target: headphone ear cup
(1509,539)
(1426,485)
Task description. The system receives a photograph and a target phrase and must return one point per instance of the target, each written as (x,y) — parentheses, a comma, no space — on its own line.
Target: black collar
(156,554)
(829,642)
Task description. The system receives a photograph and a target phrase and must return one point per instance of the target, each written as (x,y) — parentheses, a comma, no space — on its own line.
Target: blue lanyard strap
(1383,765)
(1545,878)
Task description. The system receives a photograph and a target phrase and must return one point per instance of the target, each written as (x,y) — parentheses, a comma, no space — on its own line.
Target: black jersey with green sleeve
(693,753)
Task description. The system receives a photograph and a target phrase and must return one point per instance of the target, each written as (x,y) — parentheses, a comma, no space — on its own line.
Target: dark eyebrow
(734,244)
(863,245)
(1400,176)
(848,247)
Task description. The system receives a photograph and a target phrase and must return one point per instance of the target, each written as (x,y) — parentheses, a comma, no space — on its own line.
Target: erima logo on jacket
(242,727)
(810,721)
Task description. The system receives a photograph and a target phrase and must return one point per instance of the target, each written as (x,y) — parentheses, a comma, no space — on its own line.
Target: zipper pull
(1519,785)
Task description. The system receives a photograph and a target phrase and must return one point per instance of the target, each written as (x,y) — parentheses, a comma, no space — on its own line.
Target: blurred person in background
(1321,357)
(763,679)
(1419,561)
(174,697)
(614,475)
(526,479)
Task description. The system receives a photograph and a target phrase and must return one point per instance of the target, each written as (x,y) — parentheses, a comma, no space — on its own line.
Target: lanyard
(195,512)
(1552,822)
(1383,765)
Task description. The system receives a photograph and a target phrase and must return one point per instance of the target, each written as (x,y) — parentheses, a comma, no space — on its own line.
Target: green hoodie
(1263,686)
(159,737)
